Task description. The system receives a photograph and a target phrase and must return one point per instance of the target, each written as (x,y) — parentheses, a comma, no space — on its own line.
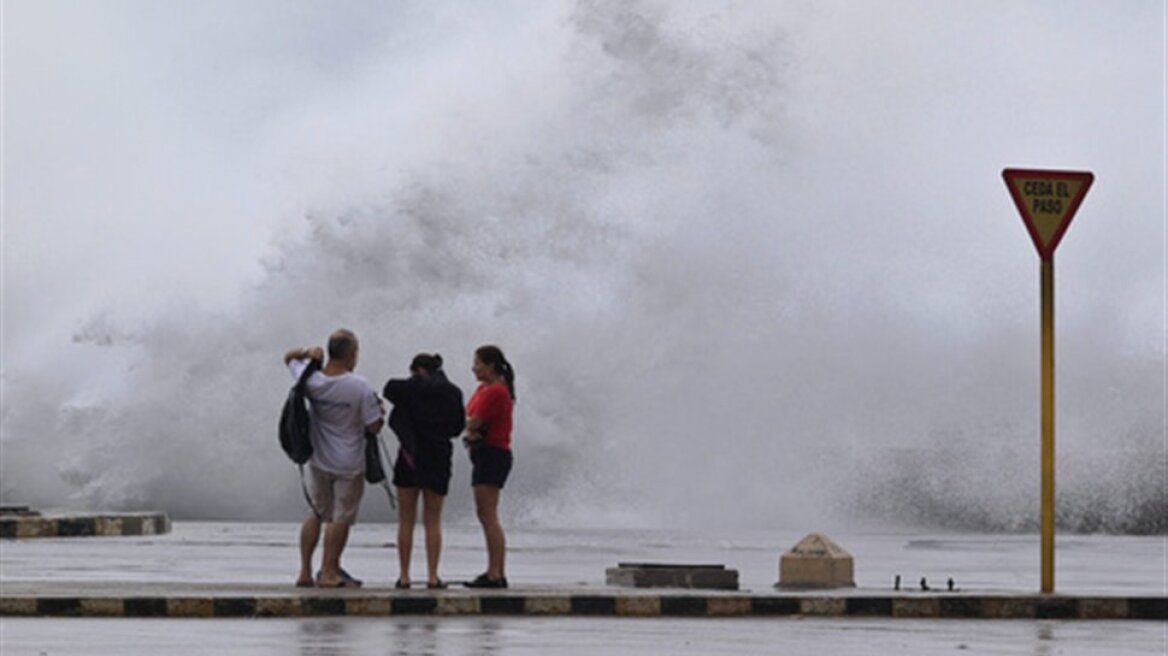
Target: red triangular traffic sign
(1048,201)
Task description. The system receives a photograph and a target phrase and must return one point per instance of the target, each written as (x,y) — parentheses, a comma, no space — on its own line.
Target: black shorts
(491,466)
(431,468)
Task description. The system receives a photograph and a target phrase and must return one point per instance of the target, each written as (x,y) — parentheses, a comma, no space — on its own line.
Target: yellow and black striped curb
(358,603)
(99,525)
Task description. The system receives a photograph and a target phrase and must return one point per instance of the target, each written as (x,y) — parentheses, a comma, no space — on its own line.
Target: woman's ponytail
(493,356)
(509,377)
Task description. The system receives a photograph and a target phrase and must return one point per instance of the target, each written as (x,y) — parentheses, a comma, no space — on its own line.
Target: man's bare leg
(487,507)
(407,515)
(309,536)
(432,517)
(336,534)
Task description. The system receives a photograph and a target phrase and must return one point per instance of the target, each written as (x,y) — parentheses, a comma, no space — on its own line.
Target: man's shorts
(336,497)
(491,466)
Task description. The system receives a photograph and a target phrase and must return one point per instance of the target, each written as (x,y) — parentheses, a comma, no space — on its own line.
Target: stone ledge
(363,603)
(84,525)
(664,575)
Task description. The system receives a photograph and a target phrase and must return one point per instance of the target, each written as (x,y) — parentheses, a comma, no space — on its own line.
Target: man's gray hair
(342,343)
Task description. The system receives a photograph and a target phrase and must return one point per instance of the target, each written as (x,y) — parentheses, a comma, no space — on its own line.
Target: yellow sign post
(1047,201)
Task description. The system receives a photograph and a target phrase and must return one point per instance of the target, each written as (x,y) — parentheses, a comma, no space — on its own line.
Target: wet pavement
(233,559)
(531,636)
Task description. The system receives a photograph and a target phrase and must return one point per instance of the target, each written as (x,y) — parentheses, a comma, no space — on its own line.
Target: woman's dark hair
(426,362)
(493,356)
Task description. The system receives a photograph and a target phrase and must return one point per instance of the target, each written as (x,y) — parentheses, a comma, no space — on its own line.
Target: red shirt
(492,404)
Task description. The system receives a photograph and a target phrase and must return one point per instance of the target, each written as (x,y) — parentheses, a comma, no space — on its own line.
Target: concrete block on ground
(672,575)
(816,562)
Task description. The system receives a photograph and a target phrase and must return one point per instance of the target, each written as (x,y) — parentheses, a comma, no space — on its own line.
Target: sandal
(437,585)
(339,583)
(346,581)
(401,586)
(349,578)
(484,581)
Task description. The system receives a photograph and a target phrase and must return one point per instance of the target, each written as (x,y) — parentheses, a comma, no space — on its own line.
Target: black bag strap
(302,382)
(302,389)
(384,481)
(307,496)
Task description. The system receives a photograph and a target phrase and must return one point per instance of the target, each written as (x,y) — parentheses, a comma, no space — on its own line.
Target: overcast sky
(153,148)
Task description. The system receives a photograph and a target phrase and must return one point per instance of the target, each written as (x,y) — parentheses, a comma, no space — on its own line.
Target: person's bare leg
(487,508)
(407,516)
(336,534)
(309,536)
(432,517)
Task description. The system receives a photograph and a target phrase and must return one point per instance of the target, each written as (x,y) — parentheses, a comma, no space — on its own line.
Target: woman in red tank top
(488,436)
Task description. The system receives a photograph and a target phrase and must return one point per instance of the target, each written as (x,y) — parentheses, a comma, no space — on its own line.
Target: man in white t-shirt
(343,407)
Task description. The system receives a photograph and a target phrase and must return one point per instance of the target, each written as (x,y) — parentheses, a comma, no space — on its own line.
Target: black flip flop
(347,581)
(484,581)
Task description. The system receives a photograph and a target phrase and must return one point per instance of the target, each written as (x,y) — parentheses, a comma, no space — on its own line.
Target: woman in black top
(427,414)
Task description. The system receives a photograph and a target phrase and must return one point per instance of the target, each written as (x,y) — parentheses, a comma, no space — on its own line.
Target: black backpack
(295,421)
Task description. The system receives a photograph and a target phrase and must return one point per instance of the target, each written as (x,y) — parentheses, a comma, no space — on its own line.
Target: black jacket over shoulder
(425,409)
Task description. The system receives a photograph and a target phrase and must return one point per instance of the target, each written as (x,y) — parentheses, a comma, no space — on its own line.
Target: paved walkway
(238,569)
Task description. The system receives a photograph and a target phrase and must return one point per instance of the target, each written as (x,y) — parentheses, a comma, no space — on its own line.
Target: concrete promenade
(188,600)
(227,570)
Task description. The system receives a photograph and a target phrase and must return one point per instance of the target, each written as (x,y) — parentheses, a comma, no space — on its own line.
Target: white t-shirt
(342,406)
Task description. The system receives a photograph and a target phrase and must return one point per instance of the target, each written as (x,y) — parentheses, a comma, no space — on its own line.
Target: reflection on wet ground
(551,636)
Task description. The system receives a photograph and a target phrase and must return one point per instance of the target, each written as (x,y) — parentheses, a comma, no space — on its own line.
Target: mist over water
(753,266)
